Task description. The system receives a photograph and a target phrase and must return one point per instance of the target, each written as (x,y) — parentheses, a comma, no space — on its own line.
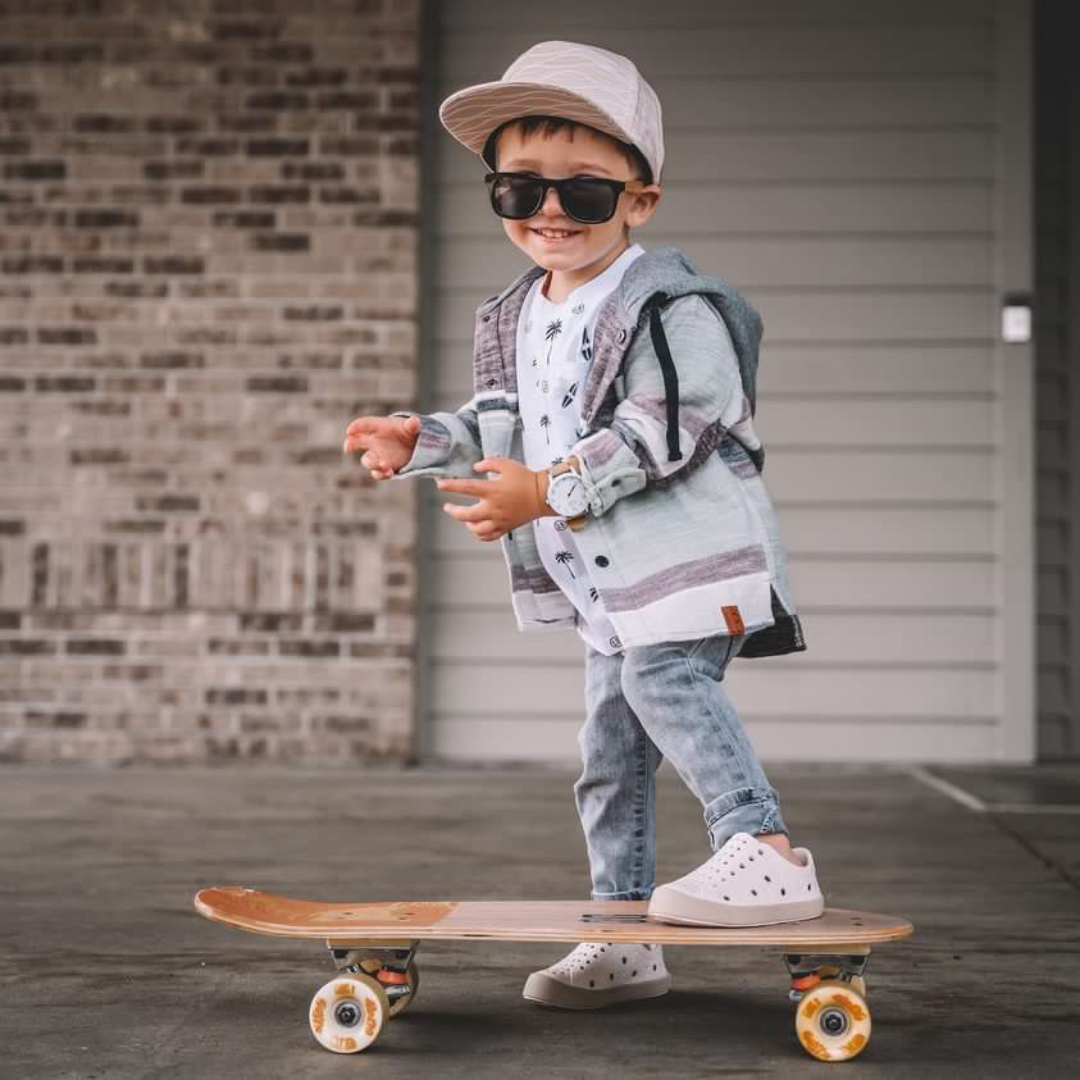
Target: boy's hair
(552,124)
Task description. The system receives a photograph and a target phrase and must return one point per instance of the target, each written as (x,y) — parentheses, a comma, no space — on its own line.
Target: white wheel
(348,1013)
(833,1022)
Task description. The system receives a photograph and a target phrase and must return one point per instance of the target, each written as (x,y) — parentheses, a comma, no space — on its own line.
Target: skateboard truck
(389,966)
(809,971)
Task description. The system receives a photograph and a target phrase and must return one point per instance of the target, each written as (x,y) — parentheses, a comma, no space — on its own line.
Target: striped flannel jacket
(681,535)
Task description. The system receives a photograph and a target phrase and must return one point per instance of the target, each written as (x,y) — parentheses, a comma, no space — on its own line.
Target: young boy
(614,395)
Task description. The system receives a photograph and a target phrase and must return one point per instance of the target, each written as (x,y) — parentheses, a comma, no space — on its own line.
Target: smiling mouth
(555,234)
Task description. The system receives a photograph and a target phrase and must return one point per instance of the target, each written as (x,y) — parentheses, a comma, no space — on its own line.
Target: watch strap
(572,462)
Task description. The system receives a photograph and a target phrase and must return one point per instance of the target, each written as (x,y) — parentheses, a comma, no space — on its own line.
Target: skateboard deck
(523,920)
(373,945)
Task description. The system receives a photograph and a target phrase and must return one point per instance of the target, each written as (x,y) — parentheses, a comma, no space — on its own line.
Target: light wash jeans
(644,704)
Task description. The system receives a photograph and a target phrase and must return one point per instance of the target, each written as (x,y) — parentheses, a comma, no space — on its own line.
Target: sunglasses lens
(589,201)
(515,196)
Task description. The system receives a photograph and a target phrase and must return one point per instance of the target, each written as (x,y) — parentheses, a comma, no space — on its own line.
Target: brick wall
(207,269)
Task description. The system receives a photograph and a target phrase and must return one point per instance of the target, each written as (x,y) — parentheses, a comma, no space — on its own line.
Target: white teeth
(551,234)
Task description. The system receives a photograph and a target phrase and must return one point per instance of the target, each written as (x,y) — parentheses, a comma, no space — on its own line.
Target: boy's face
(580,152)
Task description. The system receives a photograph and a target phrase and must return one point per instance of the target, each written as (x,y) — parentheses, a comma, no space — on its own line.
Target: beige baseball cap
(563,78)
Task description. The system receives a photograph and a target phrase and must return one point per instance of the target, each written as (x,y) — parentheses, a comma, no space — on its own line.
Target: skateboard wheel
(348,1014)
(833,1022)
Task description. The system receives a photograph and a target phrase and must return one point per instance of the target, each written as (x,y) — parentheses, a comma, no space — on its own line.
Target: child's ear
(644,205)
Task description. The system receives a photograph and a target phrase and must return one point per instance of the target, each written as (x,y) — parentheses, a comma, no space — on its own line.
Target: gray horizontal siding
(835,162)
(700,50)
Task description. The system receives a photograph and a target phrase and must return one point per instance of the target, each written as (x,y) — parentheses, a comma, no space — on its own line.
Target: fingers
(476,512)
(363,425)
(464,487)
(474,517)
(484,530)
(364,430)
(379,467)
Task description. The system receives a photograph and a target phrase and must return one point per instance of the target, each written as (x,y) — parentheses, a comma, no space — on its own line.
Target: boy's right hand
(389,442)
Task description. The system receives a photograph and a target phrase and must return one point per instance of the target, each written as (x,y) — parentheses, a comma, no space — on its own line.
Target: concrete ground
(106,970)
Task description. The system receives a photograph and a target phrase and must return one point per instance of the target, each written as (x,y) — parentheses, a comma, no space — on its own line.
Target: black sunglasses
(589,200)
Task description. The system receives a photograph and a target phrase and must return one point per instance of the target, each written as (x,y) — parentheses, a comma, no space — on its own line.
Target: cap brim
(472,114)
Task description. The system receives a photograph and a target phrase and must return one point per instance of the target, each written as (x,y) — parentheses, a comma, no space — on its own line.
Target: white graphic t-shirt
(554,353)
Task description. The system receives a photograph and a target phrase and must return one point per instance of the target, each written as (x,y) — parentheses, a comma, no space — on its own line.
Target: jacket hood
(667,271)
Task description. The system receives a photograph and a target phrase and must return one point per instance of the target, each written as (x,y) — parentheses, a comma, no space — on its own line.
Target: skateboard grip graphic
(422,913)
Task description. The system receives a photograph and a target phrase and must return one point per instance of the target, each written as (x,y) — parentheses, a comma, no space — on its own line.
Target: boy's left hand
(511,500)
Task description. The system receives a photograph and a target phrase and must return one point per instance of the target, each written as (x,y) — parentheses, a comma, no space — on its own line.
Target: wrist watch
(566,492)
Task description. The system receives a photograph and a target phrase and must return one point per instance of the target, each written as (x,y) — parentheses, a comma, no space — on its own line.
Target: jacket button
(601,560)
(622,335)
(485,318)
(491,382)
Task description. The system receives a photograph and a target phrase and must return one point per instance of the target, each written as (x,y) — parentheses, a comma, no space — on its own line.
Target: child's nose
(551,204)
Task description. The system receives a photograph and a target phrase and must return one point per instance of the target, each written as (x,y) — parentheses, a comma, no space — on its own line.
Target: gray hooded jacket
(681,536)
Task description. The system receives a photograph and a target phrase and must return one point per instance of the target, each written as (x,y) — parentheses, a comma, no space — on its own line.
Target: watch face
(566,495)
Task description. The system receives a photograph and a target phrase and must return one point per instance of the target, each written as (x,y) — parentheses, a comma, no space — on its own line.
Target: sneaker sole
(541,989)
(670,905)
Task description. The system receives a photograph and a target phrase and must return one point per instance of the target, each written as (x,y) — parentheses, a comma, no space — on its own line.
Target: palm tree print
(545,423)
(568,398)
(565,557)
(553,330)
(593,594)
(586,346)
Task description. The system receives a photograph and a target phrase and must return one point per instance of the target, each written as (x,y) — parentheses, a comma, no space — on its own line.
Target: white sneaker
(599,974)
(746,883)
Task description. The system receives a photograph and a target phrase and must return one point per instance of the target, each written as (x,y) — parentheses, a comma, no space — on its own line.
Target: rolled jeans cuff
(748,810)
(627,894)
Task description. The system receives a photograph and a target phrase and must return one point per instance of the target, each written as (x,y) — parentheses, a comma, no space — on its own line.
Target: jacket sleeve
(632,452)
(447,445)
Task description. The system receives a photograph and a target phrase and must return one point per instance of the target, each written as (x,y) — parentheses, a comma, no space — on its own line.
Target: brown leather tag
(733,619)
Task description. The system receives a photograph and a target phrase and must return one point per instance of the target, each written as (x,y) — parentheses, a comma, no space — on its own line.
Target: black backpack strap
(671,386)
(671,378)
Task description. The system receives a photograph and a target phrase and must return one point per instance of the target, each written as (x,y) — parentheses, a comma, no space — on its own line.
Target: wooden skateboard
(373,946)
